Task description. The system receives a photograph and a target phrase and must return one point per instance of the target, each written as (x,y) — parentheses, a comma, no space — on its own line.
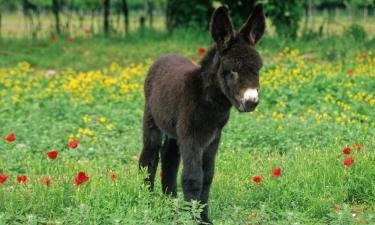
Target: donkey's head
(239,62)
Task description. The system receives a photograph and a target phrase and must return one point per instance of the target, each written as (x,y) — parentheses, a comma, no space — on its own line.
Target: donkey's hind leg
(151,145)
(170,160)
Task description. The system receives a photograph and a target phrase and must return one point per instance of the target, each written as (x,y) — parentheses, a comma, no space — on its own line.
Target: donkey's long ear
(254,27)
(221,28)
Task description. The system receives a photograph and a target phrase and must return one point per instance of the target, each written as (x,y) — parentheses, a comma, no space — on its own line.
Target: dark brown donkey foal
(189,105)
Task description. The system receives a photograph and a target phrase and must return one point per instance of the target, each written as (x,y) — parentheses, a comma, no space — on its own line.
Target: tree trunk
(169,16)
(142,21)
(31,21)
(56,10)
(39,28)
(350,11)
(337,13)
(306,24)
(92,26)
(118,21)
(1,23)
(311,13)
(365,14)
(126,17)
(150,12)
(125,11)
(69,19)
(106,16)
(81,18)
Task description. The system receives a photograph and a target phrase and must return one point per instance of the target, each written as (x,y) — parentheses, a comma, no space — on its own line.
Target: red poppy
(21,179)
(348,161)
(276,172)
(161,173)
(358,147)
(113,176)
(346,151)
(257,179)
(201,51)
(52,154)
(349,72)
(73,144)
(46,181)
(10,138)
(3,178)
(53,38)
(70,39)
(81,178)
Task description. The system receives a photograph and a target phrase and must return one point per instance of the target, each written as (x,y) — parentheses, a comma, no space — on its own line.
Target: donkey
(189,105)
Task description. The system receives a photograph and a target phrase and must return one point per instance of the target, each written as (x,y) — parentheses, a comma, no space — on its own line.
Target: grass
(91,90)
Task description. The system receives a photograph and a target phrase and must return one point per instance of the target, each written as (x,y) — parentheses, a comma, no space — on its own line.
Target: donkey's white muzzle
(249,100)
(250,95)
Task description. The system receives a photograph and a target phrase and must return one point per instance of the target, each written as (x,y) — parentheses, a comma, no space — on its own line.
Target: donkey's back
(168,72)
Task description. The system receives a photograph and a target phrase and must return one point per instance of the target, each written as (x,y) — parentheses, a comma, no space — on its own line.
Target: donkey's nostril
(254,102)
(250,105)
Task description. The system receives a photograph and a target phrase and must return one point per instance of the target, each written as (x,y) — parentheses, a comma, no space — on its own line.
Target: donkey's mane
(209,66)
(207,59)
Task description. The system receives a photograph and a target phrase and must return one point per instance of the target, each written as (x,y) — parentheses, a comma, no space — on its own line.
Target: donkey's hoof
(206,222)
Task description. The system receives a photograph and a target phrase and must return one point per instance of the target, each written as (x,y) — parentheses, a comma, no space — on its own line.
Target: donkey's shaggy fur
(190,105)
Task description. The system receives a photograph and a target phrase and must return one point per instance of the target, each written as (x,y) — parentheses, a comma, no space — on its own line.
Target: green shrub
(193,13)
(285,16)
(239,10)
(357,32)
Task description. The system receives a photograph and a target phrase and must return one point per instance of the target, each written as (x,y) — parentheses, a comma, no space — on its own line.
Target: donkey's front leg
(192,174)
(208,175)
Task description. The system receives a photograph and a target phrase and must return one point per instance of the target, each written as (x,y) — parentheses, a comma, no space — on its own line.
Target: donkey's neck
(209,66)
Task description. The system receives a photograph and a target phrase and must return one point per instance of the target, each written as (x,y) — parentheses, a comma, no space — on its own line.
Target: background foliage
(285,16)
